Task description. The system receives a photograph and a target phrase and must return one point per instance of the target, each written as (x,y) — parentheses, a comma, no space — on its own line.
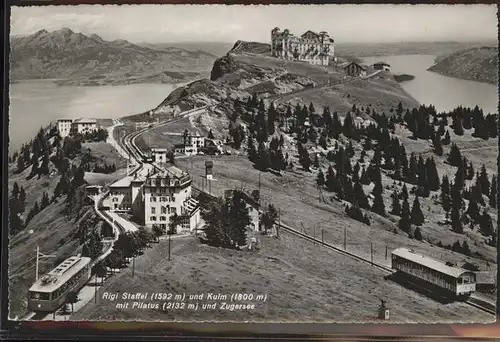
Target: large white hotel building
(156,197)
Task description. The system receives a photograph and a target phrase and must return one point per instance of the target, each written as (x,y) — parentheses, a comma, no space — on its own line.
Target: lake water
(34,104)
(445,93)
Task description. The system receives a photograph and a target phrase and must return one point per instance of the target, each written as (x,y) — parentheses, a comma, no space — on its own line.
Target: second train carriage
(451,280)
(49,292)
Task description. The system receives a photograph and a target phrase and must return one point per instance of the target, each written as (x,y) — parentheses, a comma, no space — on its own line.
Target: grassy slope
(52,230)
(303,283)
(53,233)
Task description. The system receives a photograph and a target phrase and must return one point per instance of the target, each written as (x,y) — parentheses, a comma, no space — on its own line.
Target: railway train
(49,292)
(451,281)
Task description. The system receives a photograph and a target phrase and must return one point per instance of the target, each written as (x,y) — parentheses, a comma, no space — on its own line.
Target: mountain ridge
(478,64)
(80,59)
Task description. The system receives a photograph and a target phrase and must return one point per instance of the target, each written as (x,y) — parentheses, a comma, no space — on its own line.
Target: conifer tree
(396,206)
(486,224)
(263,157)
(404,192)
(493,192)
(432,174)
(22,200)
(330,179)
(447,139)
(20,164)
(45,201)
(417,217)
(456,204)
(404,222)
(15,190)
(378,201)
(417,234)
(445,194)
(320,180)
(364,179)
(454,157)
(360,195)
(252,152)
(484,181)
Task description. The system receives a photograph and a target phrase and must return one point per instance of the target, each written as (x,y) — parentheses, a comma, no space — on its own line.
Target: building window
(153,199)
(152,218)
(163,218)
(153,210)
(163,210)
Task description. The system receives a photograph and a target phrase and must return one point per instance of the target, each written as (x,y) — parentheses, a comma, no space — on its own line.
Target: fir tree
(252,152)
(396,206)
(22,200)
(454,157)
(493,192)
(320,180)
(417,234)
(473,210)
(404,222)
(360,195)
(417,217)
(484,181)
(486,224)
(330,179)
(404,192)
(45,201)
(378,201)
(445,194)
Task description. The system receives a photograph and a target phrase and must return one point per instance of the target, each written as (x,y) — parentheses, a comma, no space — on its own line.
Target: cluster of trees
(423,120)
(408,217)
(270,156)
(100,134)
(99,168)
(17,206)
(128,245)
(226,220)
(453,194)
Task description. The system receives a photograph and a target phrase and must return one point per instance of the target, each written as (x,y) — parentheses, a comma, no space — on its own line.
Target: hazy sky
(346,23)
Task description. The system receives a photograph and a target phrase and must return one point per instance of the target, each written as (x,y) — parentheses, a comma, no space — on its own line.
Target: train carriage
(49,292)
(450,280)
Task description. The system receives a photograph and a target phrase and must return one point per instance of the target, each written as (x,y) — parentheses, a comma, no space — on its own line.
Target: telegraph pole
(133,265)
(345,237)
(385,252)
(169,247)
(371,252)
(279,224)
(38,256)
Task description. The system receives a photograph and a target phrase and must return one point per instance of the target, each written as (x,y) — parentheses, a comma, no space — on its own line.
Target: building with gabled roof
(156,198)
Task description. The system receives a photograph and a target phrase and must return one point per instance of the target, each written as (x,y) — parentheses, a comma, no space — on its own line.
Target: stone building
(354,69)
(312,47)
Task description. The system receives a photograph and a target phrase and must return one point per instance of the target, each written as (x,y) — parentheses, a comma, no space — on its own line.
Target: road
(126,225)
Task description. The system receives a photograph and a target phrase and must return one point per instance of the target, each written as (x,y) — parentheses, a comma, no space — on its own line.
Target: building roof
(360,66)
(159,149)
(190,205)
(431,263)
(59,275)
(82,121)
(382,63)
(309,31)
(65,119)
(126,181)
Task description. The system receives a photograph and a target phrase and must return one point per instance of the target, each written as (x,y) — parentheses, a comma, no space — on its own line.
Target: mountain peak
(64,31)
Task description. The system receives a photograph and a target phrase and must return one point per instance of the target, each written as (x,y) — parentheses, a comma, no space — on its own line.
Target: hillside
(76,59)
(58,224)
(477,64)
(302,282)
(247,69)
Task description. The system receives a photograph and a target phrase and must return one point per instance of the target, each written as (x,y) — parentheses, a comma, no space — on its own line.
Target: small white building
(193,143)
(64,127)
(159,155)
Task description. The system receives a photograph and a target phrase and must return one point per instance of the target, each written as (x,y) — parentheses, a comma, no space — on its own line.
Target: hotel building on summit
(156,198)
(312,47)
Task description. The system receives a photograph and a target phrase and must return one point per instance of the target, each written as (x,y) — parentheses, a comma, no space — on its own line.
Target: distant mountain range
(77,59)
(477,64)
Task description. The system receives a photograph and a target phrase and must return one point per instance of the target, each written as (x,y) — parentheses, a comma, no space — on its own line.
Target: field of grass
(303,283)
(159,138)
